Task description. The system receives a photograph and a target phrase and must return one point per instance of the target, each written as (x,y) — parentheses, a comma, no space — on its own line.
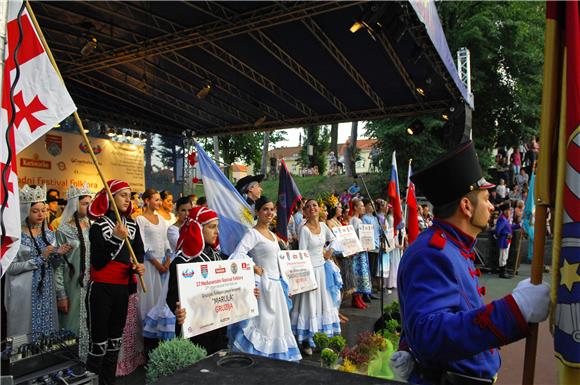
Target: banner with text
(348,240)
(297,271)
(59,159)
(366,234)
(215,294)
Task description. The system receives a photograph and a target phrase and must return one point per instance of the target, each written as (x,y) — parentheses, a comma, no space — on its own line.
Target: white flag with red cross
(34,99)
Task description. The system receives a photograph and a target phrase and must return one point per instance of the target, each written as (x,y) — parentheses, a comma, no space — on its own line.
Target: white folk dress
(155,244)
(315,311)
(269,334)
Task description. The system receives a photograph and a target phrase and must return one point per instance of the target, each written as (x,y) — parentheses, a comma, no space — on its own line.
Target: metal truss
(335,52)
(123,121)
(135,100)
(275,50)
(419,34)
(388,46)
(244,69)
(161,96)
(189,37)
(185,64)
(363,115)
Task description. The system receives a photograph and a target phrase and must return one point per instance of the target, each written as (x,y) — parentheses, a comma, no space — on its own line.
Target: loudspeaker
(226,368)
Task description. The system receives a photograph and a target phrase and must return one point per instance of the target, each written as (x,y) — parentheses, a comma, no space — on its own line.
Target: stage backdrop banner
(367,236)
(215,294)
(297,271)
(347,239)
(59,159)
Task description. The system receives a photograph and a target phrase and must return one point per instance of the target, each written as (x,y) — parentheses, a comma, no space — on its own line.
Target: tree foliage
(506,41)
(246,148)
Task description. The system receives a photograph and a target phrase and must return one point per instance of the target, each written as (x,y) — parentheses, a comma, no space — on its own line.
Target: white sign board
(297,271)
(366,234)
(348,240)
(390,246)
(215,294)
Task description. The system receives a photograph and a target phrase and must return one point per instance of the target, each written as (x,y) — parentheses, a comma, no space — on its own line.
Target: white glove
(402,364)
(533,300)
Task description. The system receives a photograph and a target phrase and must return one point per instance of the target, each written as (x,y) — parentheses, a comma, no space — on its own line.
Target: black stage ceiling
(268,65)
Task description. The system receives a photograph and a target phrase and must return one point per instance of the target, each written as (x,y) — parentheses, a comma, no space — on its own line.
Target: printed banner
(348,240)
(60,159)
(366,234)
(215,294)
(390,246)
(297,271)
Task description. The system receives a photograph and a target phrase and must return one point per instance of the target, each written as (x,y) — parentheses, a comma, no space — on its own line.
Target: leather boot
(503,273)
(357,302)
(366,298)
(109,369)
(96,357)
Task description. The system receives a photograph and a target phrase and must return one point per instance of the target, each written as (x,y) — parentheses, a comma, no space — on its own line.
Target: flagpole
(87,142)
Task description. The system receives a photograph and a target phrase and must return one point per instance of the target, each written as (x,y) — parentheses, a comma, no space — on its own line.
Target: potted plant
(171,356)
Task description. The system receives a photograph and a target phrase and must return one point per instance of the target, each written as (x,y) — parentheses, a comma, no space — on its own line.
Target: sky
(293,134)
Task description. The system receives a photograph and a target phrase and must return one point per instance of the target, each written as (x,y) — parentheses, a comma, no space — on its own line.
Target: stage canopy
(230,67)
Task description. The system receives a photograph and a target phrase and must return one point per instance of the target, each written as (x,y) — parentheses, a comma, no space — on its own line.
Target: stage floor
(512,355)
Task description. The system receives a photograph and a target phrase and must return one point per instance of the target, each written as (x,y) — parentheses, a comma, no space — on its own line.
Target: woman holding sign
(198,241)
(315,311)
(360,262)
(269,334)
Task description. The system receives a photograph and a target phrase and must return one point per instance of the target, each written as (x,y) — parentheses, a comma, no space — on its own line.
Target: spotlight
(260,121)
(89,46)
(204,91)
(447,113)
(356,26)
(416,127)
(420,91)
(424,89)
(445,116)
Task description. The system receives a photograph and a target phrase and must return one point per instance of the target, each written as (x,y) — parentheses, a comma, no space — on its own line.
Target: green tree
(319,138)
(246,148)
(391,135)
(506,41)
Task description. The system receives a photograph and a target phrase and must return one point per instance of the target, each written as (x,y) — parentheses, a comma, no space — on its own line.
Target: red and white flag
(34,99)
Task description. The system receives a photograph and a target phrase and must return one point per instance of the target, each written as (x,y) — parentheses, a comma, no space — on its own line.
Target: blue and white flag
(222,197)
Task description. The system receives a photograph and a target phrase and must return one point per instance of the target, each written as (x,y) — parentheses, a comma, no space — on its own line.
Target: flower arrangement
(328,357)
(369,356)
(321,341)
(172,355)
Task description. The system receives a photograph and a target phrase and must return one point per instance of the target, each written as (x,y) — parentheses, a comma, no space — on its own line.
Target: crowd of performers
(76,273)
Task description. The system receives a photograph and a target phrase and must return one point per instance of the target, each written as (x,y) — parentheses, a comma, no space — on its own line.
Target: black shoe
(503,273)
(366,298)
(372,296)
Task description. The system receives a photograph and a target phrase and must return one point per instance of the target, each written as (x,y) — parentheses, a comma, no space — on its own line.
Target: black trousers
(107,306)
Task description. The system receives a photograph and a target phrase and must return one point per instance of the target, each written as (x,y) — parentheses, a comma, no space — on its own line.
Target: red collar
(456,235)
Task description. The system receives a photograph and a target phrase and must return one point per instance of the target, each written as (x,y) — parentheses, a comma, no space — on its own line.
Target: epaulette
(438,240)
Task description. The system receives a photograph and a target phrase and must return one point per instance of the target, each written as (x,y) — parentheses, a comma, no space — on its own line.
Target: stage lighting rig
(416,127)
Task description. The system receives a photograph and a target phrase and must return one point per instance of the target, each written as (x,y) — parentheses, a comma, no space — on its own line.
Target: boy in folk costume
(503,233)
(112,277)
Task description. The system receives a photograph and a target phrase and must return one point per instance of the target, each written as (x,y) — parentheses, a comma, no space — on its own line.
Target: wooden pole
(86,140)
(536,279)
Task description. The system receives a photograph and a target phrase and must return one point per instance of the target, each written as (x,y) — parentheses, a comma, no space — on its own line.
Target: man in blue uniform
(449,335)
(503,234)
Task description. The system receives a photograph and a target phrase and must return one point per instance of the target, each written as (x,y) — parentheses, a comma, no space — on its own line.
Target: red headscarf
(100,205)
(191,240)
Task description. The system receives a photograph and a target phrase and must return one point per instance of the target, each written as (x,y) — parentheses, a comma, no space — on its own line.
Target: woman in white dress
(165,209)
(269,334)
(154,235)
(182,208)
(315,311)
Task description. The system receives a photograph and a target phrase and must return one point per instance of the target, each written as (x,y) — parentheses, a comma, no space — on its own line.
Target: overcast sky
(293,134)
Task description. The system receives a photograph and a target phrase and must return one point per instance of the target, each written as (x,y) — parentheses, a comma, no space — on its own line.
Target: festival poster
(297,271)
(60,159)
(215,294)
(366,235)
(348,240)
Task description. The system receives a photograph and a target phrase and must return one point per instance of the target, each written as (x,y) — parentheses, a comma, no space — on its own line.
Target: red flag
(34,99)
(412,209)
(395,196)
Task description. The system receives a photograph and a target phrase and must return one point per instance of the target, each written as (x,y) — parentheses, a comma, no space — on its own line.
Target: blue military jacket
(502,230)
(446,325)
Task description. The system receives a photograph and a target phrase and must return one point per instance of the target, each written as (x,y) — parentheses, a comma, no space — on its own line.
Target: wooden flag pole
(86,140)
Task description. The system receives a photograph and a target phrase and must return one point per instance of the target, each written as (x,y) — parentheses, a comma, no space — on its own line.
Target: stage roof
(268,65)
